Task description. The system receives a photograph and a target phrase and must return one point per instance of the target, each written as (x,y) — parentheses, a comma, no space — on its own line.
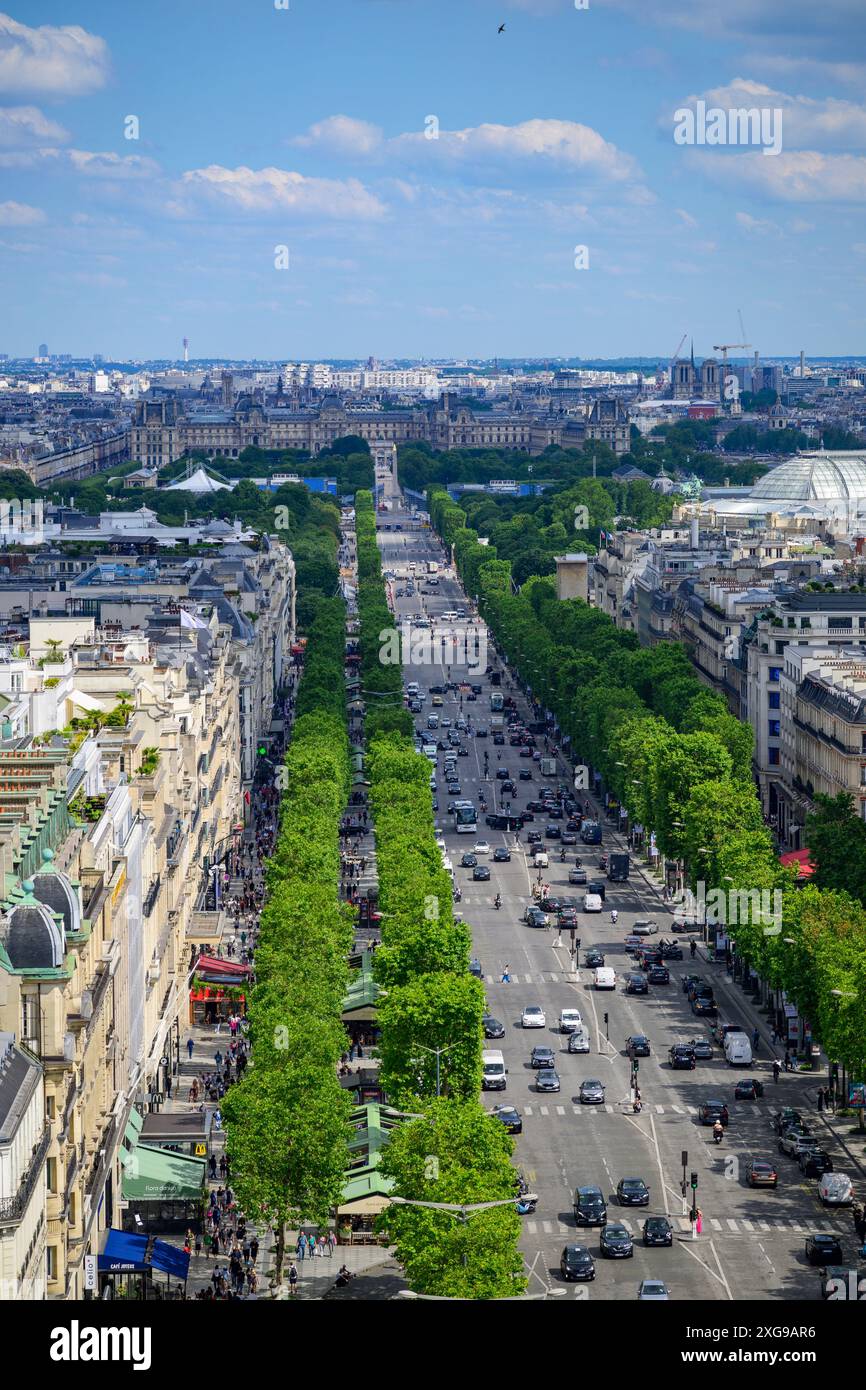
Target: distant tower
(802,362)
(227,390)
(186,349)
(43,350)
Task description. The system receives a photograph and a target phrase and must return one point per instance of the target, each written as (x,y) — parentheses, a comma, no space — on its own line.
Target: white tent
(199,481)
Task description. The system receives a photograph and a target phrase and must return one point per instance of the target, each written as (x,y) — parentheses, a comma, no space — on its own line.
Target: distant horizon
(405,363)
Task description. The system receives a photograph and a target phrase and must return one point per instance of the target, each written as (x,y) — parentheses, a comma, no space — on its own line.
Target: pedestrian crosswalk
(590,1111)
(729,1226)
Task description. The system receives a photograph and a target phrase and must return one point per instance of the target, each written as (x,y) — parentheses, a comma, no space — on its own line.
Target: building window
(774,699)
(774,673)
(774,757)
(51,1174)
(51,1261)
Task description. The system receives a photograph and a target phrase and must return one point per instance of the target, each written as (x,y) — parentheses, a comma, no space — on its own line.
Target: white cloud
(563,144)
(815,70)
(686,217)
(95,164)
(26,125)
(20,215)
(834,22)
(282,190)
(57,62)
(756,224)
(342,134)
(803,176)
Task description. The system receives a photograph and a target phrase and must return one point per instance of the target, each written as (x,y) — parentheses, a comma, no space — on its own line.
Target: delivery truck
(617,868)
(548,767)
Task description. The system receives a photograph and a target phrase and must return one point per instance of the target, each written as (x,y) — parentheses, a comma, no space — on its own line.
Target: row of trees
(288,1119)
(670,752)
(431,1008)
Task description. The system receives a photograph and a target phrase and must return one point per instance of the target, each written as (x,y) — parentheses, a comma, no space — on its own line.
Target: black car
(596,885)
(814,1163)
(533,837)
(551,832)
(481,873)
(682,1057)
(823,1250)
(510,1117)
(632,1192)
(555,813)
(636,984)
(590,1208)
(615,1242)
(542,1057)
(713,1110)
(637,1045)
(492,1027)
(593,959)
(703,1049)
(704,1007)
(785,1116)
(501,855)
(525,774)
(657,1230)
(568,837)
(534,917)
(502,774)
(659,975)
(463,751)
(748,1089)
(498,738)
(547,1080)
(468,860)
(575,1263)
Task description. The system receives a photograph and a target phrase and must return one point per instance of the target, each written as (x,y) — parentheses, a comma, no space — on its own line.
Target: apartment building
(823,745)
(24,1138)
(810,622)
(709,617)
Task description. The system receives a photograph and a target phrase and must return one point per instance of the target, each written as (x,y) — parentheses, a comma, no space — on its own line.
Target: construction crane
(724,349)
(676,354)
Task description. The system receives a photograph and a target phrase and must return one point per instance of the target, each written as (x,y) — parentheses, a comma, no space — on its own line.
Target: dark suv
(590,1208)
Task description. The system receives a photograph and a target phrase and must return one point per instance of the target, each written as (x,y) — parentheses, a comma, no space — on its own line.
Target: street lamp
(437,1053)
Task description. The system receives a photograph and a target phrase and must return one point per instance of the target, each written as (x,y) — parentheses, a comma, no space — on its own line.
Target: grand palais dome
(817,477)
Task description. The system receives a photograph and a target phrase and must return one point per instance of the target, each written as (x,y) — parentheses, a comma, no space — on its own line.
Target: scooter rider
(497,901)
(718,1132)
(613,915)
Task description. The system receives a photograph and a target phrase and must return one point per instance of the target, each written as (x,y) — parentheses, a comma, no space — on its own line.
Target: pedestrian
(198,1242)
(787,1060)
(293,1278)
(254,1249)
(189,1047)
(829,1099)
(320,1247)
(332,1241)
(506,975)
(774,1036)
(699,1222)
(301,1247)
(222,1165)
(756,1038)
(820,1099)
(212,1163)
(311,1245)
(168,1086)
(776,1070)
(218,1058)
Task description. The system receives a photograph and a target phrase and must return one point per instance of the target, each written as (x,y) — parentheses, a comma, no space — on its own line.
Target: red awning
(800,858)
(219,968)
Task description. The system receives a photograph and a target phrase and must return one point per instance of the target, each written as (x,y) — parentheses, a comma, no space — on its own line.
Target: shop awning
(800,859)
(159,1175)
(126,1253)
(365,1194)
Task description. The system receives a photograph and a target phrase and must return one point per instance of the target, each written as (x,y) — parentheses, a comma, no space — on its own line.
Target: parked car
(836,1190)
(814,1163)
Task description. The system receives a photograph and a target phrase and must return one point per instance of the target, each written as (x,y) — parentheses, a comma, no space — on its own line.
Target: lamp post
(437,1053)
(464,1211)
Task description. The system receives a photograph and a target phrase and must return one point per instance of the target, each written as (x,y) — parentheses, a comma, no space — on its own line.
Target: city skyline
(270,138)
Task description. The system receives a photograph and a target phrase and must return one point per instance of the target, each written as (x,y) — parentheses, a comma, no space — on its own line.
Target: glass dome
(816,477)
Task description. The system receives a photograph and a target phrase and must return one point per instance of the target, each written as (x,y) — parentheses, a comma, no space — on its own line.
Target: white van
(605,977)
(738,1050)
(569,1020)
(449,868)
(493,1071)
(540,859)
(449,617)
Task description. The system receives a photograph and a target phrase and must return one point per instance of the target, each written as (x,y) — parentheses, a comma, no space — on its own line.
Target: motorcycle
(718,1134)
(602,863)
(526,1203)
(613,915)
(562,856)
(497,902)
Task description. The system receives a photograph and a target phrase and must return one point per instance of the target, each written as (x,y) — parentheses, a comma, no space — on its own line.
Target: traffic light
(262,750)
(693,1215)
(577,942)
(635,1064)
(605,1020)
(694,1182)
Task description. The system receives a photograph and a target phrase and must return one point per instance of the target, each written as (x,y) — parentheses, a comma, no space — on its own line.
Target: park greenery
(668,750)
(287,1120)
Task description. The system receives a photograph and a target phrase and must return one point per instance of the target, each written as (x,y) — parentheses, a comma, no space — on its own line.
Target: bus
(497,700)
(465,818)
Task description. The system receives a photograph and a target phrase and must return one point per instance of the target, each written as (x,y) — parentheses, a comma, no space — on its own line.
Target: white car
(592,902)
(481,847)
(835,1190)
(644,927)
(541,861)
(533,1017)
(569,1020)
(653,1291)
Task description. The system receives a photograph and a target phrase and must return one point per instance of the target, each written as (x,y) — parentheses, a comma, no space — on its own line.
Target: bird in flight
(501,29)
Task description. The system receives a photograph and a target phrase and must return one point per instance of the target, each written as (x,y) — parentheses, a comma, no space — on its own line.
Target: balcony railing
(13,1208)
(152,894)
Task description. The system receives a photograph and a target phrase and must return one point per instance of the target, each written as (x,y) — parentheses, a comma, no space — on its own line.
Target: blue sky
(308,128)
